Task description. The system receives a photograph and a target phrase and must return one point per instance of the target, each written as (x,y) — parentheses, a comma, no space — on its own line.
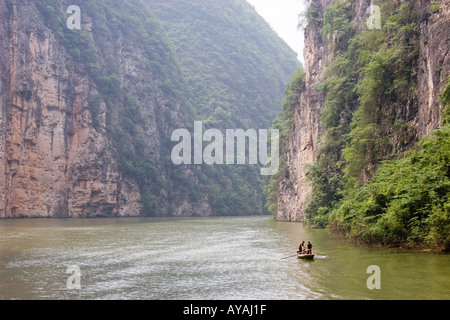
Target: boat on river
(303,255)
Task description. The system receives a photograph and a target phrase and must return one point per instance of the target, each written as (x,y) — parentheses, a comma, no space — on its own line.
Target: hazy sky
(282,15)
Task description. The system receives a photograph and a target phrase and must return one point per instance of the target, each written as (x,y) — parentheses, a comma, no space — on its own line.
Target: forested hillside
(379,165)
(237,68)
(222,46)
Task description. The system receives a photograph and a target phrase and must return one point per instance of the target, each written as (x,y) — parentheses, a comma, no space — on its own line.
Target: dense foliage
(372,180)
(236,65)
(407,203)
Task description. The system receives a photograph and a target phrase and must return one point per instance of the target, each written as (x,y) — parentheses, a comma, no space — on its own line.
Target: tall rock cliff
(302,145)
(434,61)
(331,25)
(86,115)
(54,161)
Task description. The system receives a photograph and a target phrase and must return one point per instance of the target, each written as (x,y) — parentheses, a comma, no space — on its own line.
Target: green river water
(203,258)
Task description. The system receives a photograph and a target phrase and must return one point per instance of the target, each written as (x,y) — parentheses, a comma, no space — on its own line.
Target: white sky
(282,15)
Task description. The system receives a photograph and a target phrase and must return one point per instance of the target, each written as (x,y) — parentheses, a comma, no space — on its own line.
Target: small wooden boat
(305,256)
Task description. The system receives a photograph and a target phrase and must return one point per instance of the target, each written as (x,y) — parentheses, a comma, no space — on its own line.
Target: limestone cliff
(53,162)
(302,144)
(434,62)
(422,112)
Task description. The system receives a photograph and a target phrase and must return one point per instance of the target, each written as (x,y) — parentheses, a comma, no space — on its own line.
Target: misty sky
(282,15)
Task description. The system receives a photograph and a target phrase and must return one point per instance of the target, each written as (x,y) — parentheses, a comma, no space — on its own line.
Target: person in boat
(309,247)
(301,248)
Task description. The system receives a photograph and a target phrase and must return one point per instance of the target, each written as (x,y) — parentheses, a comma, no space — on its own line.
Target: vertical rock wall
(303,143)
(53,163)
(434,63)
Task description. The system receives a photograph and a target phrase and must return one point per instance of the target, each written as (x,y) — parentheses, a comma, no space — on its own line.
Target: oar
(320,254)
(294,255)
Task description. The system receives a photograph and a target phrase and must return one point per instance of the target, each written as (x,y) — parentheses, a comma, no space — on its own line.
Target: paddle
(294,255)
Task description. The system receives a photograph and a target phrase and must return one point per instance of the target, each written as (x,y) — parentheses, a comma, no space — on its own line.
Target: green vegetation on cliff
(371,78)
(403,201)
(124,98)
(407,203)
(158,66)
(373,181)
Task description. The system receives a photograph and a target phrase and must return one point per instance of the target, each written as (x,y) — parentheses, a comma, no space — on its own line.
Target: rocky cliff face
(57,156)
(434,62)
(52,160)
(304,141)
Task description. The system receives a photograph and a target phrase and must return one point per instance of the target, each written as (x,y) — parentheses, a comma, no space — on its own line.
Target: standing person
(301,248)
(309,246)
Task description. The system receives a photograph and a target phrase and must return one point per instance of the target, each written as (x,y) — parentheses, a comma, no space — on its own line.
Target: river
(203,259)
